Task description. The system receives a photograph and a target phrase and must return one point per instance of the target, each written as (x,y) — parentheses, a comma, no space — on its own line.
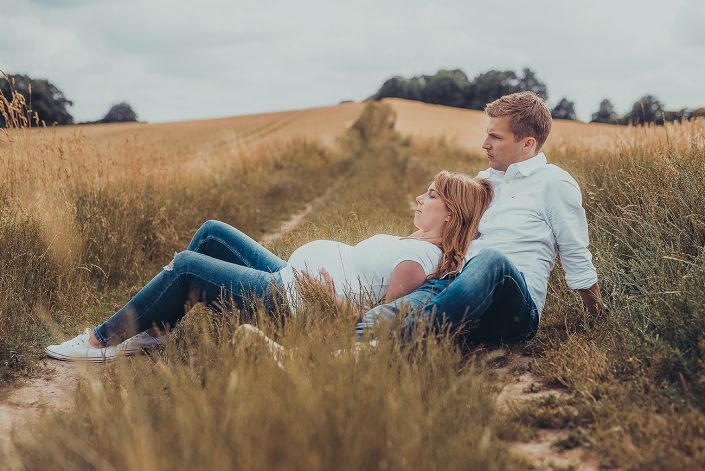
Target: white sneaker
(78,349)
(141,341)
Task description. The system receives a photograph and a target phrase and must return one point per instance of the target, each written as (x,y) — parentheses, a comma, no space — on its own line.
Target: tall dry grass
(638,376)
(77,233)
(211,400)
(635,379)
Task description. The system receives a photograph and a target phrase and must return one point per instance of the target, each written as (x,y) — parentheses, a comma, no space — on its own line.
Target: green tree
(490,85)
(120,113)
(696,113)
(391,88)
(605,114)
(42,97)
(446,87)
(648,109)
(451,87)
(565,109)
(530,83)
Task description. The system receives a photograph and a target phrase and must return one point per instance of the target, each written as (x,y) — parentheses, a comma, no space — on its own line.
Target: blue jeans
(487,302)
(221,266)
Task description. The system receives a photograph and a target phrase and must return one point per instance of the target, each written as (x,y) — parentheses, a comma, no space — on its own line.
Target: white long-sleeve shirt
(535,214)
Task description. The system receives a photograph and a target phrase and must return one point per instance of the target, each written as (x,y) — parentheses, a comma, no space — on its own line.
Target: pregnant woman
(223,265)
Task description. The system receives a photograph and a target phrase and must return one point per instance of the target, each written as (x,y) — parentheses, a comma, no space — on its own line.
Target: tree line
(454,88)
(46,103)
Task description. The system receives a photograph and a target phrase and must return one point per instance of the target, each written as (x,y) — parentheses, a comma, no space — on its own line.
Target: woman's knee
(210,229)
(186,262)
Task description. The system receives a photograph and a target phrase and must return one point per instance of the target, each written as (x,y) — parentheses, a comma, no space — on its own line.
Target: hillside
(467,127)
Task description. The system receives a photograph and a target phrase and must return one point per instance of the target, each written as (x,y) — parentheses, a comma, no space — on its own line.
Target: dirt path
(51,391)
(54,390)
(521,386)
(287,226)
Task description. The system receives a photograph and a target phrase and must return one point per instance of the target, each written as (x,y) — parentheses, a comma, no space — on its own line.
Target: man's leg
(192,277)
(413,302)
(488,302)
(222,241)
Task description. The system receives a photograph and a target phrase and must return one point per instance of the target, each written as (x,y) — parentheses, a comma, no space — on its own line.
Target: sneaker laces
(81,339)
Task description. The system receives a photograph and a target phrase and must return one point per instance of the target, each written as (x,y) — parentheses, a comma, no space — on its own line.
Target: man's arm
(566,216)
(592,301)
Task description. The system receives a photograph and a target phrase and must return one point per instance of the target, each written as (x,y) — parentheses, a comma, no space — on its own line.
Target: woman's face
(431,212)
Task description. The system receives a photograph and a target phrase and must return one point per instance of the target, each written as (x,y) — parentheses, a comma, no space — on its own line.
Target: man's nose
(486,145)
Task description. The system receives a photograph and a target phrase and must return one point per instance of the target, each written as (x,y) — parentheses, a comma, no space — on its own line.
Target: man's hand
(593,302)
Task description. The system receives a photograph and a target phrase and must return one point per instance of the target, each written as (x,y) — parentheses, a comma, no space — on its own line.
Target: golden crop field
(90,213)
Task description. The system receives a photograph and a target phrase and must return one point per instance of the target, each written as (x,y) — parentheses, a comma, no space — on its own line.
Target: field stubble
(634,381)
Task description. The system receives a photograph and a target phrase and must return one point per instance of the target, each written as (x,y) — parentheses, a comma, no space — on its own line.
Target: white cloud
(224,57)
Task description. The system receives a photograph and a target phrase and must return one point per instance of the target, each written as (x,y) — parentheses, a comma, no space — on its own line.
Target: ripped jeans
(488,302)
(222,266)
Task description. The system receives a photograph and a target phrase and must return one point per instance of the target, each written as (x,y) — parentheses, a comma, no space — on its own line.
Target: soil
(51,391)
(520,385)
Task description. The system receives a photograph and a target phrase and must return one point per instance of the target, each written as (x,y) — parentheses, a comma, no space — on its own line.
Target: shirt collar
(528,166)
(525,167)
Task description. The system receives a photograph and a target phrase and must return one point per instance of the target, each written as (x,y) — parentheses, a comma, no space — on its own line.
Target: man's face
(501,146)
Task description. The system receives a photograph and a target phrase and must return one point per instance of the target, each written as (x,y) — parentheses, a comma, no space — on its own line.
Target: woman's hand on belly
(325,287)
(315,286)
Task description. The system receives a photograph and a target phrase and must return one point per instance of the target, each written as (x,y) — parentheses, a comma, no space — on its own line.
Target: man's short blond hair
(528,115)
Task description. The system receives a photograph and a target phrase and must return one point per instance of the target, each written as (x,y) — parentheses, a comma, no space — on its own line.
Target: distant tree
(413,88)
(530,83)
(120,113)
(446,87)
(684,114)
(605,114)
(565,109)
(452,87)
(490,85)
(391,88)
(399,87)
(45,99)
(648,109)
(696,113)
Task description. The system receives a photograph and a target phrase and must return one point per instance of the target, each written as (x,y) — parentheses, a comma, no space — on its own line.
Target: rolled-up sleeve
(566,216)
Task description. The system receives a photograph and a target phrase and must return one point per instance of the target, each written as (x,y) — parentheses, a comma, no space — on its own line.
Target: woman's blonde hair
(467,199)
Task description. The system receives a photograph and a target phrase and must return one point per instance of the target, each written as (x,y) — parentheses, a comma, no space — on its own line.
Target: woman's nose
(419,200)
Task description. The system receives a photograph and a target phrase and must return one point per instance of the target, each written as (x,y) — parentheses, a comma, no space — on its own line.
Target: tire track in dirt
(290,224)
(51,391)
(519,387)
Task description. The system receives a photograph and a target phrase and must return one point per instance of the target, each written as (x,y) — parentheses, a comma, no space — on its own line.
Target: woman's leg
(222,241)
(192,277)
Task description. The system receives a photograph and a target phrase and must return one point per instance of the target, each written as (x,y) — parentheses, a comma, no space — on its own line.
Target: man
(536,213)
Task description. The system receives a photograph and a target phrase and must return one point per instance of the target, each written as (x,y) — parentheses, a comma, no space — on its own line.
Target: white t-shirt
(359,272)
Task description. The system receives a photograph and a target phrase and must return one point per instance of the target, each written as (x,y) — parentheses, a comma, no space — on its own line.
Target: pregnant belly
(334,257)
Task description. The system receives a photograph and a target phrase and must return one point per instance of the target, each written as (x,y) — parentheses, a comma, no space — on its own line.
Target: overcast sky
(184,60)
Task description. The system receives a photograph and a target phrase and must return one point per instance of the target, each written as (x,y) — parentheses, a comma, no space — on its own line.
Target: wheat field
(88,215)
